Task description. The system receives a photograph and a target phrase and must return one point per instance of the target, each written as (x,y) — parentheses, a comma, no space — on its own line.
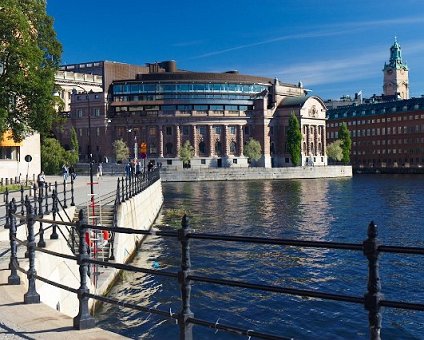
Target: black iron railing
(372,300)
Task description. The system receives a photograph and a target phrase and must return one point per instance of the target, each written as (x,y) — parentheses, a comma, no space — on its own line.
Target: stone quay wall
(237,174)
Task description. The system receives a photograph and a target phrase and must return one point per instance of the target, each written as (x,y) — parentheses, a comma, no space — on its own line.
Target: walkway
(22,321)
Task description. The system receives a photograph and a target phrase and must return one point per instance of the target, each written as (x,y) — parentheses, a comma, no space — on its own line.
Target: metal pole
(90,154)
(374,295)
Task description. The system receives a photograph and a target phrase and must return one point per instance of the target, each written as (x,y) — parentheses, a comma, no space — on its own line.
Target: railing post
(118,192)
(13,278)
(64,194)
(46,197)
(41,242)
(83,320)
(123,190)
(22,201)
(6,201)
(54,235)
(31,296)
(72,192)
(373,296)
(186,328)
(126,188)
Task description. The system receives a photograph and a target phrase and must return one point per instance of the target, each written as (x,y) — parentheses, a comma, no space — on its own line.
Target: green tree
(29,58)
(294,140)
(253,149)
(73,154)
(186,153)
(53,155)
(344,136)
(335,151)
(121,150)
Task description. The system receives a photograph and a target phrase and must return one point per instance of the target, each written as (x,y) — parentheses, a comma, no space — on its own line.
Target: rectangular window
(186,130)
(235,161)
(169,130)
(217,129)
(232,130)
(203,161)
(169,161)
(152,131)
(247,130)
(202,130)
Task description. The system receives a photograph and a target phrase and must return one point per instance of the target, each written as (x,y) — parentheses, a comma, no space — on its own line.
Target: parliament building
(161,107)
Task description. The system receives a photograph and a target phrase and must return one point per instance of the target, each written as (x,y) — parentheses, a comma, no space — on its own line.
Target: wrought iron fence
(373,300)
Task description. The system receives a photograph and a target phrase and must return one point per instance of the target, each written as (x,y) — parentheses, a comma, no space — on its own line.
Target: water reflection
(327,210)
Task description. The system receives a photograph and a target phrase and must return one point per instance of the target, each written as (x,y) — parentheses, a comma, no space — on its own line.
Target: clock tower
(396,74)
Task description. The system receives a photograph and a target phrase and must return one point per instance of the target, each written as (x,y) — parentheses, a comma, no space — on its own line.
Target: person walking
(41,180)
(65,172)
(72,172)
(99,170)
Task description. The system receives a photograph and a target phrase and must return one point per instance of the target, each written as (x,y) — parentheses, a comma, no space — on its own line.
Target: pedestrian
(65,172)
(128,170)
(72,172)
(41,179)
(99,170)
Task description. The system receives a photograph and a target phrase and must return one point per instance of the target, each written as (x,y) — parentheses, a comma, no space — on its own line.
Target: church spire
(396,56)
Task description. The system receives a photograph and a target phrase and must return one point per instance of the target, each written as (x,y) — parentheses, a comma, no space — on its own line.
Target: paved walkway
(38,321)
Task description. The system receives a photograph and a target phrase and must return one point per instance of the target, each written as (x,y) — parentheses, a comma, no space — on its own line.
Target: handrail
(373,300)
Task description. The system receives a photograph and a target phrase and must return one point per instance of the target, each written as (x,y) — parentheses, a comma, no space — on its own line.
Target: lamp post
(90,152)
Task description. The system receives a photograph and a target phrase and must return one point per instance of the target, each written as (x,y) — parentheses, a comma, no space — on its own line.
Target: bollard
(72,192)
(186,328)
(13,278)
(54,235)
(373,296)
(31,296)
(83,320)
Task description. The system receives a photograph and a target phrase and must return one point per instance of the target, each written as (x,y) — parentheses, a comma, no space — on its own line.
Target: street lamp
(90,153)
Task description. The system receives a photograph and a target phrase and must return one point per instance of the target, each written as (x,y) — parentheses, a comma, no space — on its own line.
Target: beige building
(19,161)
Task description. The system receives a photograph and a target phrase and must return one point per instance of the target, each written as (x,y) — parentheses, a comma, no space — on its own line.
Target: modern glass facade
(184,96)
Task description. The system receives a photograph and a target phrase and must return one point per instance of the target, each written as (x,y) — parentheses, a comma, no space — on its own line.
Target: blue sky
(334,47)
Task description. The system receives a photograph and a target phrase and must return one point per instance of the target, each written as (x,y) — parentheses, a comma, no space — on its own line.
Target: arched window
(305,149)
(233,147)
(312,149)
(169,148)
(218,147)
(202,148)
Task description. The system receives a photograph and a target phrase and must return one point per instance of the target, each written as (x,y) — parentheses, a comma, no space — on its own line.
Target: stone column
(240,140)
(211,145)
(194,141)
(177,139)
(226,142)
(161,141)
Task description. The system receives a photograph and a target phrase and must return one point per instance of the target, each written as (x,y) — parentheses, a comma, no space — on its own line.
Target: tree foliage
(294,140)
(344,136)
(253,149)
(335,151)
(186,152)
(121,150)
(29,58)
(53,155)
(73,154)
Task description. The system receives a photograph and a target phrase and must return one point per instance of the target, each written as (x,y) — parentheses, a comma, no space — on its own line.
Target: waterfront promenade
(23,321)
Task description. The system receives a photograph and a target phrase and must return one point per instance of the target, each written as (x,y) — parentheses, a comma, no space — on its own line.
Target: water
(325,210)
